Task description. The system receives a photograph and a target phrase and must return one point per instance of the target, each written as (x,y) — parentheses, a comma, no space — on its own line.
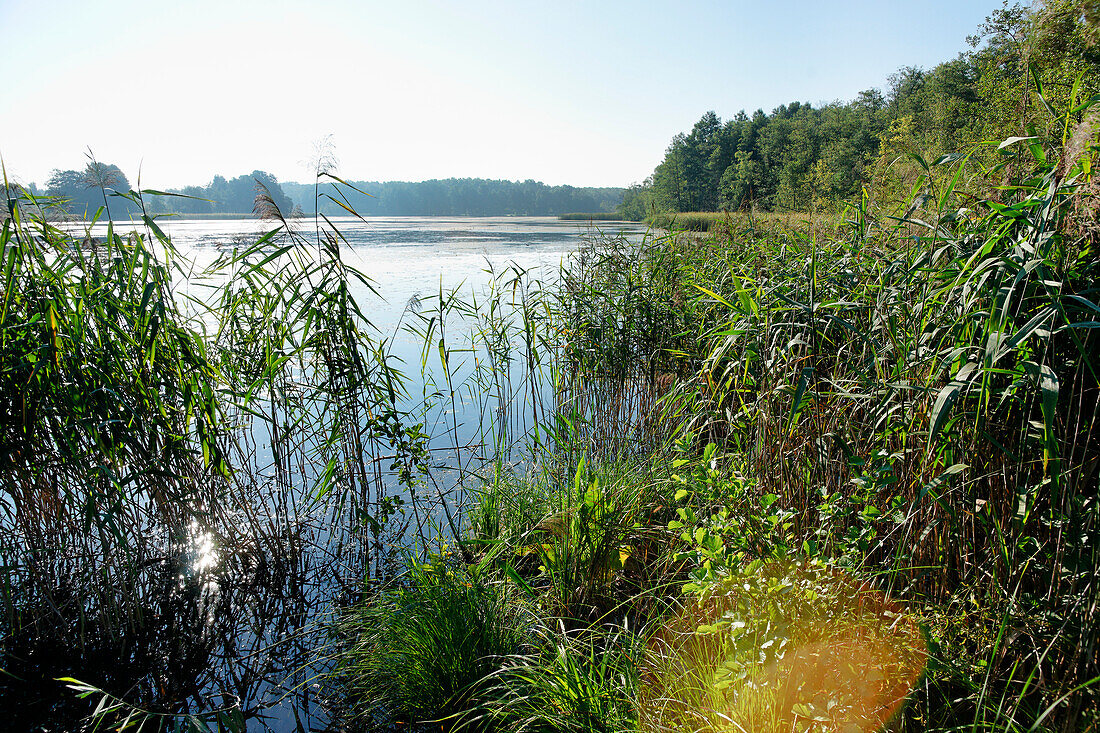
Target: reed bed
(732,460)
(593,216)
(902,403)
(174,464)
(825,221)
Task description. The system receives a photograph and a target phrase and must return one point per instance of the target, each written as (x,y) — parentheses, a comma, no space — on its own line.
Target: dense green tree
(82,193)
(636,201)
(798,156)
(222,196)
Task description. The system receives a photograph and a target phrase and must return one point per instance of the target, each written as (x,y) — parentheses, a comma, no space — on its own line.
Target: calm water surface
(263,656)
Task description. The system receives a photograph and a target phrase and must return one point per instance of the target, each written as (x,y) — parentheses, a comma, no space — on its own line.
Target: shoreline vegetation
(823,471)
(594,216)
(1023,64)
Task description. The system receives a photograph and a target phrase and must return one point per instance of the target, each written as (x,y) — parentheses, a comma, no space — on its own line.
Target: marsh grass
(585,680)
(719,222)
(422,652)
(917,400)
(909,395)
(595,216)
(111,437)
(902,405)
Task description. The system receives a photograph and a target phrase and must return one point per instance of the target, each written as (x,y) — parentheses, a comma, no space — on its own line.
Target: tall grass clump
(580,681)
(719,222)
(312,379)
(620,315)
(689,221)
(422,651)
(112,435)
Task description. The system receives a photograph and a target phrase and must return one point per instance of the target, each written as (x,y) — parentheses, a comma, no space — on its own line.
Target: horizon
(494,91)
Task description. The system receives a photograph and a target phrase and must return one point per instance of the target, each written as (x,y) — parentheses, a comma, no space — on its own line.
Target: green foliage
(575,540)
(898,401)
(108,389)
(635,204)
(1027,70)
(80,193)
(584,681)
(587,541)
(723,522)
(461,197)
(222,196)
(131,415)
(421,652)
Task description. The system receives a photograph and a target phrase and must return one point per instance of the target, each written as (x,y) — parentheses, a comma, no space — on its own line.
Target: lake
(243,624)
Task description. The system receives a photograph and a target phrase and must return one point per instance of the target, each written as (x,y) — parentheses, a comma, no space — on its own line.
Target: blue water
(265,660)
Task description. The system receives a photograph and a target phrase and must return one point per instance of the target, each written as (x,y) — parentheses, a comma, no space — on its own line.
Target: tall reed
(170,454)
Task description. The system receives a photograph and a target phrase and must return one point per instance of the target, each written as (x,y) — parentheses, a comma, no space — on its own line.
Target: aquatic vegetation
(579,543)
(421,652)
(155,500)
(896,412)
(795,473)
(585,680)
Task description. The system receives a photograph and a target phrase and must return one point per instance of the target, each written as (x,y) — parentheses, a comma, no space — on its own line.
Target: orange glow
(783,647)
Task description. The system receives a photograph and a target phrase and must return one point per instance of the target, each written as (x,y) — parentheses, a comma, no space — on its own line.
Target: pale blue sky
(562,92)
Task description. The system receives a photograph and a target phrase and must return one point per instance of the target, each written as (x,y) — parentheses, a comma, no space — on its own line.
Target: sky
(564,92)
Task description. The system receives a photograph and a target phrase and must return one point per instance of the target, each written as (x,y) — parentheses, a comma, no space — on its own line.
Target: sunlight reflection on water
(204,556)
(259,604)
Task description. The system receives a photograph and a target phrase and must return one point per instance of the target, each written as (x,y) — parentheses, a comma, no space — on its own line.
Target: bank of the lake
(209,580)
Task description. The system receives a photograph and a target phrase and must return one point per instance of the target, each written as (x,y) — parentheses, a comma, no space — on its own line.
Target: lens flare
(783,647)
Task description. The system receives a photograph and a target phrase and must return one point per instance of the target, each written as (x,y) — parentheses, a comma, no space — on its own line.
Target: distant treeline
(80,193)
(461,197)
(590,216)
(221,196)
(799,155)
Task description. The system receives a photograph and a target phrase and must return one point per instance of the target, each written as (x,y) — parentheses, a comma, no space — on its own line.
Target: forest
(80,192)
(798,157)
